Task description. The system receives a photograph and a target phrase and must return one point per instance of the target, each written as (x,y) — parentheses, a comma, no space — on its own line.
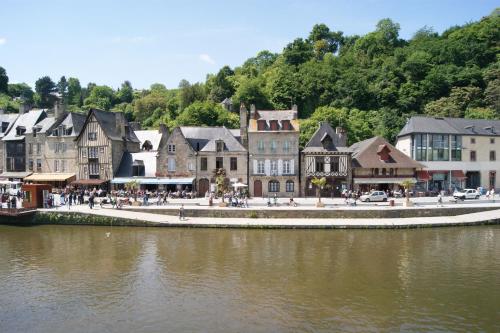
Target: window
(335,164)
(472,140)
(92,136)
(5,126)
(289,186)
(285,124)
(204,164)
(286,167)
(493,179)
(38,148)
(375,172)
(93,169)
(220,146)
(30,148)
(233,164)
(84,152)
(493,156)
(93,152)
(456,148)
(274,168)
(384,172)
(320,164)
(101,150)
(171,164)
(260,146)
(260,167)
(274,144)
(20,148)
(286,146)
(56,147)
(38,165)
(171,148)
(30,165)
(56,166)
(219,162)
(64,147)
(63,166)
(274,125)
(473,155)
(274,186)
(439,146)
(190,166)
(261,125)
(391,172)
(492,140)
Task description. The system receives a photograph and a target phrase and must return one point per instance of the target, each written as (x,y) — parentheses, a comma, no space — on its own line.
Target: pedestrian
(91,201)
(440,200)
(182,215)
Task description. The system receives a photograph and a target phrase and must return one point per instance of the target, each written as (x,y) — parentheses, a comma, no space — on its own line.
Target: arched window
(384,172)
(391,172)
(375,172)
(290,185)
(274,186)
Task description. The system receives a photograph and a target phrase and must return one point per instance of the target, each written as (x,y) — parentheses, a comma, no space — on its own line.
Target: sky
(153,41)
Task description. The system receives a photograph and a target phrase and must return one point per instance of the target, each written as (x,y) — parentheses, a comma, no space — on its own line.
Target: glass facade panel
(456,148)
(439,148)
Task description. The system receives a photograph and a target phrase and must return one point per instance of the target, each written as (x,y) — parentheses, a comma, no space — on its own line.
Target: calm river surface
(75,279)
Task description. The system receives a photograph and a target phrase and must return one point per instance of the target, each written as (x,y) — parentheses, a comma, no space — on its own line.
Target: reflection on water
(64,278)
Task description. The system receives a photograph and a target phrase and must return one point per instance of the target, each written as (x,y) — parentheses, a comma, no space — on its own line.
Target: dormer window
(5,126)
(384,153)
(274,125)
(326,141)
(285,125)
(20,130)
(147,146)
(219,146)
(261,125)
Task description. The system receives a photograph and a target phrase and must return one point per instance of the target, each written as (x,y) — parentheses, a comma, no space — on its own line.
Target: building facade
(326,155)
(456,152)
(378,165)
(104,138)
(6,123)
(273,148)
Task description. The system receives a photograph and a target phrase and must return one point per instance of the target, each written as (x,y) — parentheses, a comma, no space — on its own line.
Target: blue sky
(150,41)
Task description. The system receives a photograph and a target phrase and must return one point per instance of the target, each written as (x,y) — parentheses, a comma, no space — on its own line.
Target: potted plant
(407,184)
(133,186)
(319,183)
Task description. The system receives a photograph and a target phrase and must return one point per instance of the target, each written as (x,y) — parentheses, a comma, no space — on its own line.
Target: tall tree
(45,88)
(74,92)
(4,81)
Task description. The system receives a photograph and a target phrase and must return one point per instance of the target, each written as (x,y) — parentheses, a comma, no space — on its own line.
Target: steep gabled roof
(108,121)
(204,138)
(153,136)
(366,155)
(444,125)
(146,158)
(325,131)
(9,118)
(72,120)
(27,120)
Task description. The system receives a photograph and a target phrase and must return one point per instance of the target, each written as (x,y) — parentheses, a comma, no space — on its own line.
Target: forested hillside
(370,84)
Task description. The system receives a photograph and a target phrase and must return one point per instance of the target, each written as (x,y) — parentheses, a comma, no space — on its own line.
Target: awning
(89,182)
(153,181)
(381,180)
(50,177)
(458,174)
(423,175)
(14,174)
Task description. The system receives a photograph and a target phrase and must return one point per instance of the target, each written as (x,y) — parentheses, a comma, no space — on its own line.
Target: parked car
(374,196)
(467,193)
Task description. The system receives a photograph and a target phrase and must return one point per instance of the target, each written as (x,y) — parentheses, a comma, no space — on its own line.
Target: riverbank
(82,215)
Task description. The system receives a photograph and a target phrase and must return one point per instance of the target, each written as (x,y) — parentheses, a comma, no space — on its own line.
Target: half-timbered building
(327,155)
(105,137)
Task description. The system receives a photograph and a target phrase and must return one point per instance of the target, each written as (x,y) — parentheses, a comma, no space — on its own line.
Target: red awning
(458,174)
(423,175)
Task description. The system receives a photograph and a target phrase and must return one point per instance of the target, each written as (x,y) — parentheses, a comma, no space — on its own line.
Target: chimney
(341,135)
(120,124)
(58,108)
(23,107)
(244,125)
(253,112)
(295,110)
(163,129)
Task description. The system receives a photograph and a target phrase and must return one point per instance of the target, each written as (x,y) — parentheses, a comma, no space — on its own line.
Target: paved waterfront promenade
(150,214)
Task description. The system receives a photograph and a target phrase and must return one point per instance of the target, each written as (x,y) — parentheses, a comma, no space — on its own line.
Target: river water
(77,279)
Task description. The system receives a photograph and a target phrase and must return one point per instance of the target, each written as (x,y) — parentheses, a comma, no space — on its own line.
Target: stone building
(273,148)
(326,155)
(6,123)
(104,138)
(192,154)
(378,165)
(456,152)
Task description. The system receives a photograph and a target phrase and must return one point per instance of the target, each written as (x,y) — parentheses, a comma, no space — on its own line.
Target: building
(273,147)
(15,145)
(55,137)
(6,123)
(378,165)
(456,152)
(104,138)
(326,155)
(142,166)
(192,154)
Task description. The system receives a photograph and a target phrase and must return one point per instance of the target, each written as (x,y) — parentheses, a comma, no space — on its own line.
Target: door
(203,186)
(257,188)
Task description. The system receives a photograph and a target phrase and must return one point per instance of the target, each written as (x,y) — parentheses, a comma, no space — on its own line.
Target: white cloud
(206,58)
(3,40)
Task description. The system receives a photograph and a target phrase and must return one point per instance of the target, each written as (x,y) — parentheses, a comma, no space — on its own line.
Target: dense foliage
(369,84)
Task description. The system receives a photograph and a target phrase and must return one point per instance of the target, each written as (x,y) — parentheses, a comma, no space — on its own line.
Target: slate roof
(153,136)
(148,158)
(9,118)
(315,144)
(365,155)
(205,138)
(443,125)
(73,120)
(108,120)
(278,115)
(26,120)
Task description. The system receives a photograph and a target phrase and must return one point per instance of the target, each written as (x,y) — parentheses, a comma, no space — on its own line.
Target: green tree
(74,92)
(222,86)
(100,97)
(207,114)
(4,81)
(320,184)
(298,52)
(45,88)
(125,94)
(21,90)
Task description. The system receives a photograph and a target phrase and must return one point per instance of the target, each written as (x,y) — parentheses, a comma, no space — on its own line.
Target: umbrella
(237,185)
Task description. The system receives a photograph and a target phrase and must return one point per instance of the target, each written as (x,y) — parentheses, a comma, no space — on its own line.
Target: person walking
(182,215)
(440,200)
